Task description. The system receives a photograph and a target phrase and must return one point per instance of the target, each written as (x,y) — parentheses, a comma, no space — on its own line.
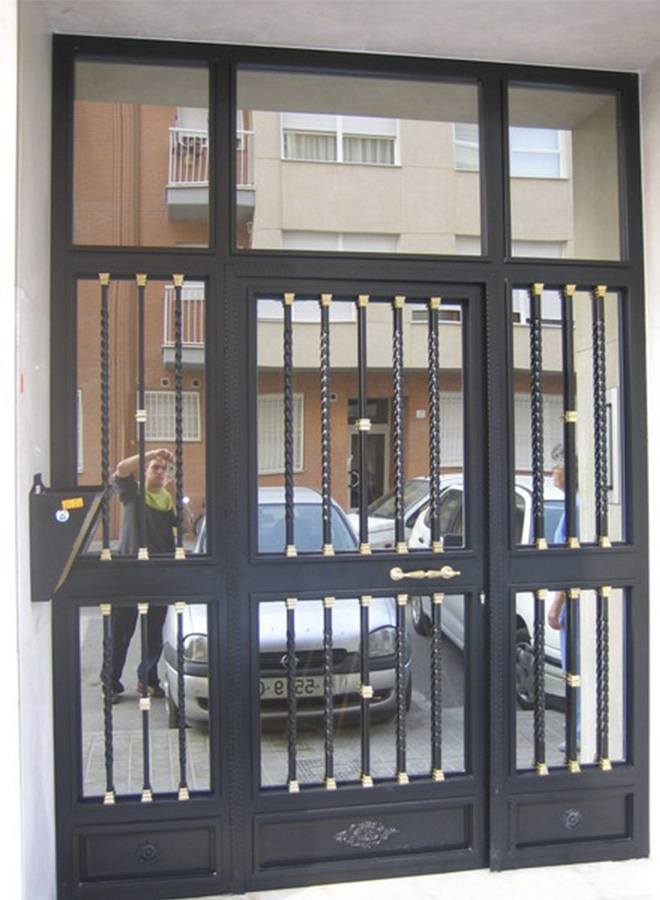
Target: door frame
(225,269)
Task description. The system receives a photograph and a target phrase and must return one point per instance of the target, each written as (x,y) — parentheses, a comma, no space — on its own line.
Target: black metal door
(452,675)
(365,729)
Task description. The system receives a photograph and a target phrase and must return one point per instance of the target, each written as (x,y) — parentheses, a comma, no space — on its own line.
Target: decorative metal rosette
(365,835)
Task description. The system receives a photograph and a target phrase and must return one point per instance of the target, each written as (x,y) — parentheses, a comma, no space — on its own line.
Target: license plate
(306,686)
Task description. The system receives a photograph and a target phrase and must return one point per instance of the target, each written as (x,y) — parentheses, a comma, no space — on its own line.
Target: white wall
(10,847)
(32,390)
(651,171)
(28,795)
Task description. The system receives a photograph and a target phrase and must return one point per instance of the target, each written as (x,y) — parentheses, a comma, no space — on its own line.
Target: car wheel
(524,670)
(420,620)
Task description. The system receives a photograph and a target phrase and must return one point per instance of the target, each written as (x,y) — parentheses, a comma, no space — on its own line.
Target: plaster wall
(651,174)
(32,447)
(11,845)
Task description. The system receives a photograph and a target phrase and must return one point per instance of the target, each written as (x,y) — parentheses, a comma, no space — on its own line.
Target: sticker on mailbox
(73,503)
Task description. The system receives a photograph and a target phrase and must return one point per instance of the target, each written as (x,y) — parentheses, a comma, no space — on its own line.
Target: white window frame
(339,241)
(469,143)
(277,402)
(553,428)
(419,314)
(339,127)
(561,152)
(472,143)
(192,421)
(452,436)
(271,310)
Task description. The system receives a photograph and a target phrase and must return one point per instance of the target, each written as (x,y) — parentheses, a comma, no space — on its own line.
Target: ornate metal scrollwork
(367,835)
(148,853)
(572,819)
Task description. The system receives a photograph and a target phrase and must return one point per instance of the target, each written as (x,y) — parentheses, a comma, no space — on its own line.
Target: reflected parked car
(381,522)
(453,614)
(309,630)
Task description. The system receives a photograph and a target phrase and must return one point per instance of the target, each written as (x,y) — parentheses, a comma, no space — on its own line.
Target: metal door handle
(446,572)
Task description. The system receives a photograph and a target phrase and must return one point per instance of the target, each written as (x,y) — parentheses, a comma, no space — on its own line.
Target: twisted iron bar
(573,684)
(539,682)
(366,693)
(397,410)
(436,685)
(434,421)
(536,387)
(325,422)
(292,699)
(400,651)
(178,411)
(288,423)
(181,702)
(600,412)
(106,679)
(145,704)
(141,419)
(328,715)
(602,673)
(105,415)
(363,423)
(570,418)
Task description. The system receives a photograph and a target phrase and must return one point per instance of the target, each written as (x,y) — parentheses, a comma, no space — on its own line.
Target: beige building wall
(424,200)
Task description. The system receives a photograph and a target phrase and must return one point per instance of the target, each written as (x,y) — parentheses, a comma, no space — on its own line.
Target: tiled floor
(631,880)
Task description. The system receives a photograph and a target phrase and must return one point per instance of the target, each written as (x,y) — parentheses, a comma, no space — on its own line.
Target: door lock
(446,572)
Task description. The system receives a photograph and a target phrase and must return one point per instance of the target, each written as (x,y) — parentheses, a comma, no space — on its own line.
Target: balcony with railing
(188,176)
(192,325)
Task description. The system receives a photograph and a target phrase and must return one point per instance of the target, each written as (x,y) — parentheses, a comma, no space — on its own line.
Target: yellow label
(73,503)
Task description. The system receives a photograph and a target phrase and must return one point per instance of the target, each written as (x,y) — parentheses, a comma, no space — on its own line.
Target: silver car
(309,631)
(381,522)
(451,517)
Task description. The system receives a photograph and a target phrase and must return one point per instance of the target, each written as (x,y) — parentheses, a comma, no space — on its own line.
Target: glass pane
(123,442)
(141,155)
(552,387)
(124,735)
(351,164)
(601,705)
(432,707)
(564,168)
(327,452)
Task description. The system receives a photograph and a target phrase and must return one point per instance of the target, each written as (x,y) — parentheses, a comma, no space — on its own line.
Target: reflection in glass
(553,377)
(602,685)
(345,164)
(307,746)
(141,155)
(126,730)
(326,450)
(564,174)
(160,401)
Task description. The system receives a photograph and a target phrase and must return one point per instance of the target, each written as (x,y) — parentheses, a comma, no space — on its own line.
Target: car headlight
(382,642)
(195,648)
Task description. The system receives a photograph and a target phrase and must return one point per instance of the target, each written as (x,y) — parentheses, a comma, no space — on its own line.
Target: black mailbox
(61,522)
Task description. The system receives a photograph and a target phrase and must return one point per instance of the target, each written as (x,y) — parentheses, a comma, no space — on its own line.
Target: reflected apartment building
(329,169)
